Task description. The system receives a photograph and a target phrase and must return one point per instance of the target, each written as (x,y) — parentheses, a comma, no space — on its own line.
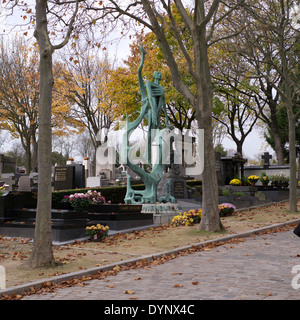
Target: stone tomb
(67,225)
(18,212)
(119,216)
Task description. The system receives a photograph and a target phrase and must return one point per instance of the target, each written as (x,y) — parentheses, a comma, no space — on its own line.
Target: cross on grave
(266,157)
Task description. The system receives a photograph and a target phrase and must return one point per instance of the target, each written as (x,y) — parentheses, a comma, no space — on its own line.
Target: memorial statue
(153,103)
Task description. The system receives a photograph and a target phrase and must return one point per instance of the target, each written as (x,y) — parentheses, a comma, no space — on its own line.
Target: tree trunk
(42,254)
(239,147)
(34,152)
(278,148)
(210,220)
(28,158)
(293,167)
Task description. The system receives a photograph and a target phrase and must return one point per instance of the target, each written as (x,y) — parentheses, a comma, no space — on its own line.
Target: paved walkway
(258,268)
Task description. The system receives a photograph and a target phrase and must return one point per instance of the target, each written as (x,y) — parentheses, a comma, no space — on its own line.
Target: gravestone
(64,178)
(79,179)
(25,184)
(93,182)
(266,157)
(69,177)
(178,189)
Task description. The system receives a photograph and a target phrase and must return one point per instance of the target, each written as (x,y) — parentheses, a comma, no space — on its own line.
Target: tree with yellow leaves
(19,95)
(19,98)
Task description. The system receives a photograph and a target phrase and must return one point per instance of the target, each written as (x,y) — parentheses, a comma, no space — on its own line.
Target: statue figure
(153,96)
(153,103)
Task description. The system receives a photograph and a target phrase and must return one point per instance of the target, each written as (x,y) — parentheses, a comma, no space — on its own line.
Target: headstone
(64,178)
(178,189)
(25,184)
(266,157)
(79,179)
(93,182)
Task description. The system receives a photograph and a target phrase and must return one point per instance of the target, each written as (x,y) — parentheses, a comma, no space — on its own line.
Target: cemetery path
(263,267)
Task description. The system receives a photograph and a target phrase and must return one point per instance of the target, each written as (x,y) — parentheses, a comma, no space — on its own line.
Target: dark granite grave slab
(119,217)
(66,225)
(10,202)
(64,178)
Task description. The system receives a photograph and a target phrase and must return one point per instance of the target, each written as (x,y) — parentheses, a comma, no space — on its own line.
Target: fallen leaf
(176,273)
(195,283)
(268,294)
(129,292)
(178,285)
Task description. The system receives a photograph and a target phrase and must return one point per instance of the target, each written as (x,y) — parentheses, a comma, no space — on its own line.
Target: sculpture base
(163,213)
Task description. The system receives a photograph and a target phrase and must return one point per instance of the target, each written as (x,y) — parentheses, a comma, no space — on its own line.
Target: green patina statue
(153,103)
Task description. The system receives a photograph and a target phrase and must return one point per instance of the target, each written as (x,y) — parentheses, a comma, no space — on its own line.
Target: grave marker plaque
(179,189)
(64,178)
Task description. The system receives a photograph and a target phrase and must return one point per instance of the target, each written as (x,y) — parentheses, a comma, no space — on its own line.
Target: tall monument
(153,103)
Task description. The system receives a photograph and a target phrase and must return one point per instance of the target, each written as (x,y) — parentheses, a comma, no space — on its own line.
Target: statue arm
(141,80)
